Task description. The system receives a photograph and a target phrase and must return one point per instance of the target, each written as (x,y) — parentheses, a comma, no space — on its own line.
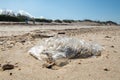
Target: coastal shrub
(88,20)
(111,23)
(58,21)
(9,18)
(43,20)
(68,21)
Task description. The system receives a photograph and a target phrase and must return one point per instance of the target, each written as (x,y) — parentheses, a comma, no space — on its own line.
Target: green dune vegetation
(22,18)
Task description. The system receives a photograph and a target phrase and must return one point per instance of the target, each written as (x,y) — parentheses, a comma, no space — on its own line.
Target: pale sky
(67,9)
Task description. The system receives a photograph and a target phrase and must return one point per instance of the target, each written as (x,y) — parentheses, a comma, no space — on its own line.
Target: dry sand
(15,41)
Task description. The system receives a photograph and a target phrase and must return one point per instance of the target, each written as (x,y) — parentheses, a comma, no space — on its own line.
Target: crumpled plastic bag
(64,47)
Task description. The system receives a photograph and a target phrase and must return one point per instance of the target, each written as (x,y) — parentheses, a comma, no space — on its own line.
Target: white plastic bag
(63,47)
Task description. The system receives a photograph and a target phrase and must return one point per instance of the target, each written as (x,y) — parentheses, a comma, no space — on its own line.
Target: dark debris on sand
(7,67)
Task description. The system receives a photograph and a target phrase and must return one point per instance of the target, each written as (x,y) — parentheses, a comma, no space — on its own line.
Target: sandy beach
(16,40)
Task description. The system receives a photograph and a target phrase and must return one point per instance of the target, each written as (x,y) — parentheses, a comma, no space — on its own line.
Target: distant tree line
(21,18)
(43,20)
(17,18)
(9,18)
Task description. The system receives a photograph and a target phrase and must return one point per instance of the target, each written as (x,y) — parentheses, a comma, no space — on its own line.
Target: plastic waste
(64,47)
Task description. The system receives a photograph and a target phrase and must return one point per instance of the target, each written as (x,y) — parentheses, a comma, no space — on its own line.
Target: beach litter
(56,48)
